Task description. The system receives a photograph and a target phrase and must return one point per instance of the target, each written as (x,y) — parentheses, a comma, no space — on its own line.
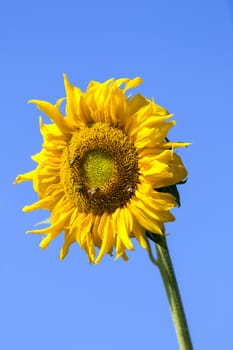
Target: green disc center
(97,168)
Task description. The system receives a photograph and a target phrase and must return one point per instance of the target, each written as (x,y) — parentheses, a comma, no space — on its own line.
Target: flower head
(102,167)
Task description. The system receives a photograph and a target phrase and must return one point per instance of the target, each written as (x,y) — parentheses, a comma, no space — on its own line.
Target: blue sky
(183,50)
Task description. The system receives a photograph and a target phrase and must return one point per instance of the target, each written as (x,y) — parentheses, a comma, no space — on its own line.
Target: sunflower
(103,169)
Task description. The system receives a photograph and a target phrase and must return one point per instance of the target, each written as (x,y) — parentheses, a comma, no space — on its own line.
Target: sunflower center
(99,169)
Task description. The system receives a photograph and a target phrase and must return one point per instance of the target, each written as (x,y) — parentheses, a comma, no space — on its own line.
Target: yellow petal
(176,144)
(129,83)
(146,221)
(147,137)
(56,227)
(132,83)
(123,225)
(106,227)
(84,227)
(68,240)
(45,203)
(24,177)
(136,102)
(50,132)
(45,241)
(139,233)
(153,210)
(120,249)
(52,111)
(73,105)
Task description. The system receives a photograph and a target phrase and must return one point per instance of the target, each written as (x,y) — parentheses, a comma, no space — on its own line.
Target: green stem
(165,266)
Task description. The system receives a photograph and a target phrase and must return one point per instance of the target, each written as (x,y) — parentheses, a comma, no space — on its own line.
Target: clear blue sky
(184,52)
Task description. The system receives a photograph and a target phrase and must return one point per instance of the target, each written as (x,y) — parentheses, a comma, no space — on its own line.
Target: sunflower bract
(101,167)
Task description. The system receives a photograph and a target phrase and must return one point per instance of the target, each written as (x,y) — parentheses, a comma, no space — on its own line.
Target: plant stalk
(166,269)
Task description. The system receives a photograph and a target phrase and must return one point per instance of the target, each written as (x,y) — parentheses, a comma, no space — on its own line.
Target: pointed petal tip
(25,209)
(65,77)
(16,181)
(139,80)
(98,259)
(122,255)
(61,255)
(32,101)
(45,242)
(186,144)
